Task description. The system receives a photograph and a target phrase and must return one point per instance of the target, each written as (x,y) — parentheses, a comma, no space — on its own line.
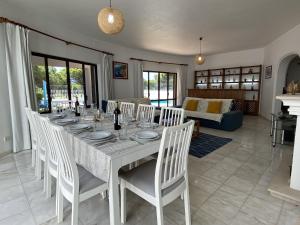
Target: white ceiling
(174,26)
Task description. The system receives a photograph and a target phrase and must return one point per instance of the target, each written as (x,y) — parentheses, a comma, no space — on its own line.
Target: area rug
(206,143)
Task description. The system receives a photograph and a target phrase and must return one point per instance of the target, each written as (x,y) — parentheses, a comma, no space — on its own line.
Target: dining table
(104,160)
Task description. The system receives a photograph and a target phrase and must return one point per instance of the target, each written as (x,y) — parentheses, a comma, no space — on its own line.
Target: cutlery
(105,142)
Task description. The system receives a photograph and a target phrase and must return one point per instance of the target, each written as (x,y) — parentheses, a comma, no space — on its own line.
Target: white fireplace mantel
(293,101)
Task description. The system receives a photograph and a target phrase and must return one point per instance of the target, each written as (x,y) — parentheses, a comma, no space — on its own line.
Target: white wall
(232,59)
(284,46)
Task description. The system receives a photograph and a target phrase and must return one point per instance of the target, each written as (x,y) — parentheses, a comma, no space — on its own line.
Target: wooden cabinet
(247,78)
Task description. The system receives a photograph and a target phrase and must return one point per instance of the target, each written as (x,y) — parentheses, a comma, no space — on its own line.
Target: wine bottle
(77,113)
(117,113)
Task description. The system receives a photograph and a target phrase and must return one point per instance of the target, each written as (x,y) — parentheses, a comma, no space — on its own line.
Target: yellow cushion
(214,107)
(191,105)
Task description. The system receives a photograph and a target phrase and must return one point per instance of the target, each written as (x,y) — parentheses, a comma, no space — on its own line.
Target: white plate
(147,134)
(57,116)
(98,135)
(66,121)
(80,126)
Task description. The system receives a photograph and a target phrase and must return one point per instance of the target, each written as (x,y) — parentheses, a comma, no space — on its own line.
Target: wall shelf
(252,96)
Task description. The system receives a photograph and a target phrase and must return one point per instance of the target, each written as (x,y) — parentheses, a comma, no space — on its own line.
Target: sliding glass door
(62,80)
(160,87)
(57,70)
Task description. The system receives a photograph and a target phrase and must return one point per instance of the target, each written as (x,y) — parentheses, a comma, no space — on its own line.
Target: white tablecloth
(97,159)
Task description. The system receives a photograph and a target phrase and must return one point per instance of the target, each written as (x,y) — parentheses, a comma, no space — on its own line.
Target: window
(59,79)
(160,87)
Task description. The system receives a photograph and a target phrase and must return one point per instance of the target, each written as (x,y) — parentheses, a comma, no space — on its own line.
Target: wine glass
(124,124)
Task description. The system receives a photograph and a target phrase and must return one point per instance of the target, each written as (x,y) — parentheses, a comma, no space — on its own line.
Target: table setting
(96,128)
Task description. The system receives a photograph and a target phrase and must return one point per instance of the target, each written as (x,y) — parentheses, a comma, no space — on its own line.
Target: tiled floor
(229,186)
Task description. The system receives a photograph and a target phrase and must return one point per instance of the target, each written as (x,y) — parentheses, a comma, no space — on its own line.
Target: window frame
(174,74)
(46,58)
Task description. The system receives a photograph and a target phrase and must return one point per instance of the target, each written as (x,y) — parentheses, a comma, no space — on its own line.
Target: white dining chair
(33,136)
(111,106)
(51,156)
(145,112)
(74,182)
(41,147)
(170,116)
(161,182)
(127,109)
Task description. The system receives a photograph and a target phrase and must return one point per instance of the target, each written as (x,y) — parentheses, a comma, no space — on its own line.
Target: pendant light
(200,59)
(111,20)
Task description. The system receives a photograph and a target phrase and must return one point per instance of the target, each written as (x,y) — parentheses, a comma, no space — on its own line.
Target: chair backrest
(38,127)
(111,105)
(127,108)
(46,128)
(30,119)
(171,116)
(68,172)
(173,155)
(145,112)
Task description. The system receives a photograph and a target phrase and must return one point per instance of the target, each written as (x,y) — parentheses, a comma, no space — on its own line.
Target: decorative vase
(292,88)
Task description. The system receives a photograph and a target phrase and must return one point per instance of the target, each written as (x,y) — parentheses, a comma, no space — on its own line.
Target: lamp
(111,20)
(200,59)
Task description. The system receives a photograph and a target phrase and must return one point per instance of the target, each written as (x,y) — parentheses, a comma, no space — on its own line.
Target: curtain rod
(5,20)
(145,60)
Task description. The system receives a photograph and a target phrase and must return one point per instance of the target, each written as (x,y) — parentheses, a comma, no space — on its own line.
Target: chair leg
(187,209)
(104,194)
(56,196)
(75,212)
(123,202)
(45,175)
(38,169)
(48,179)
(131,166)
(136,163)
(60,206)
(159,215)
(33,157)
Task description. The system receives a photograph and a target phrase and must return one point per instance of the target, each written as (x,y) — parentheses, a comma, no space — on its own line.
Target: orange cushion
(191,105)
(214,107)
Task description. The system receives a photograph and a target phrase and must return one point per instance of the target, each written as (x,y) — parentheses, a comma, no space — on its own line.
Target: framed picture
(120,70)
(268,72)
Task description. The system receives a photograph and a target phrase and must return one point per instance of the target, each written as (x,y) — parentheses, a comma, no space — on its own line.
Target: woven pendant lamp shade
(111,20)
(199,59)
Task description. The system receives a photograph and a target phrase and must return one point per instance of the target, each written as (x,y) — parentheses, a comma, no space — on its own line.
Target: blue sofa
(230,121)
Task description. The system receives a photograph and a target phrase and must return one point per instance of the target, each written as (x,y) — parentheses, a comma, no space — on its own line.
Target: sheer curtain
(17,62)
(181,84)
(105,78)
(138,80)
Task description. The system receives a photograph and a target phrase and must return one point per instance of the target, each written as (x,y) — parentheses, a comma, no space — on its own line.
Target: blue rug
(206,143)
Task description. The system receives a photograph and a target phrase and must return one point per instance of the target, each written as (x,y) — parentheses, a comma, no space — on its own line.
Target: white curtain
(105,78)
(17,64)
(138,81)
(181,84)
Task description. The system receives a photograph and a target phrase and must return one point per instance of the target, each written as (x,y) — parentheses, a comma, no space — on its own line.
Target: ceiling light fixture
(110,20)
(200,59)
